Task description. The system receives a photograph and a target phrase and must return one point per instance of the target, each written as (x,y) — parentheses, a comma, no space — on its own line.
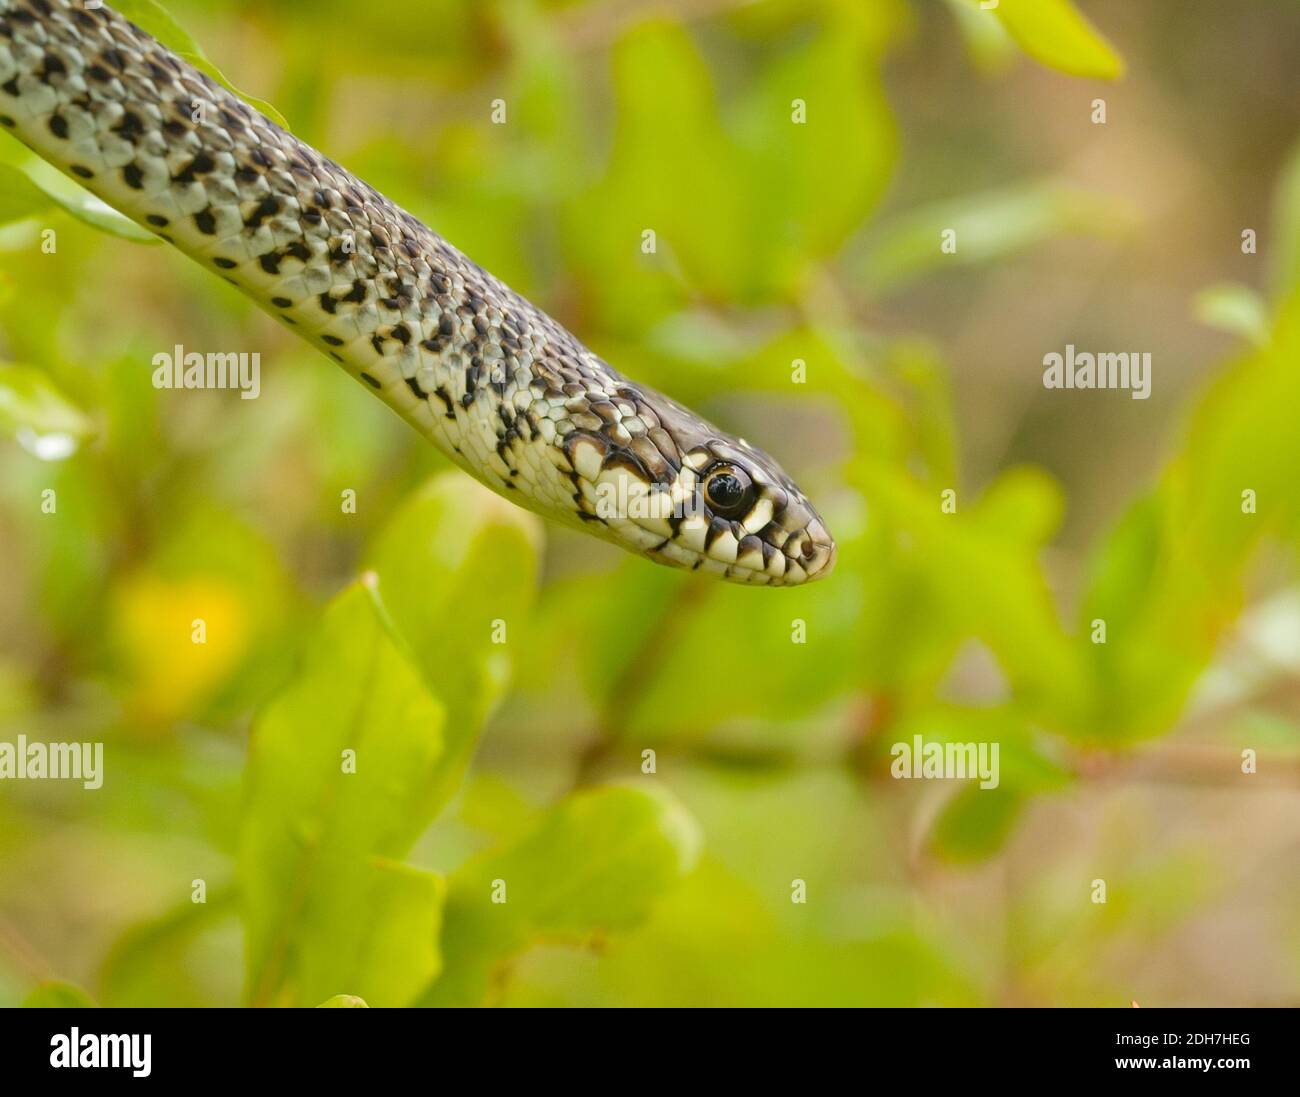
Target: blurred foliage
(56,995)
(1057,34)
(310,762)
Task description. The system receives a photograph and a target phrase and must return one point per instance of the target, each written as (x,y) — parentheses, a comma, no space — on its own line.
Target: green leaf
(595,863)
(668,142)
(31,188)
(152,17)
(33,410)
(817,179)
(1122,571)
(1172,577)
(35,189)
(980,565)
(58,995)
(20,198)
(490,804)
(975,823)
(344,1001)
(325,906)
(1024,504)
(1286,227)
(986,227)
(1055,33)
(1236,309)
(987,42)
(74,199)
(642,700)
(457,569)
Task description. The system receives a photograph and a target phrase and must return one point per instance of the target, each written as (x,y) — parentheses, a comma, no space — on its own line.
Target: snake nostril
(809,550)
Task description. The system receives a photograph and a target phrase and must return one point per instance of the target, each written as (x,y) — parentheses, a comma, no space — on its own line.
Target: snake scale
(505,391)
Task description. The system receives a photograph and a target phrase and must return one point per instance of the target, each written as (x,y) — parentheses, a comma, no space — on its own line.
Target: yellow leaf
(178,641)
(1057,34)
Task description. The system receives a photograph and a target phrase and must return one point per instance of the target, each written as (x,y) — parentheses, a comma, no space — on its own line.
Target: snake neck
(445,344)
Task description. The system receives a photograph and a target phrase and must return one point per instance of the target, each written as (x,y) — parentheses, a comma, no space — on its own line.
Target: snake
(505,391)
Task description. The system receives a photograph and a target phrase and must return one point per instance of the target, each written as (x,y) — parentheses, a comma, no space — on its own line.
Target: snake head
(750,519)
(664,483)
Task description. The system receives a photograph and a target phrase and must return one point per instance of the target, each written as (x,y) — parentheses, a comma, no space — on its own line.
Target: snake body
(505,391)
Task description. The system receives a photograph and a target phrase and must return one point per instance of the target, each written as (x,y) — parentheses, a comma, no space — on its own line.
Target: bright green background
(778,242)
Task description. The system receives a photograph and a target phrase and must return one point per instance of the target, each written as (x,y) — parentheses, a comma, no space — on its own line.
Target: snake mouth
(806,556)
(797,573)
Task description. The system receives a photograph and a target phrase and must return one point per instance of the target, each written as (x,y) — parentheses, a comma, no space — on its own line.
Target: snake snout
(810,554)
(817,553)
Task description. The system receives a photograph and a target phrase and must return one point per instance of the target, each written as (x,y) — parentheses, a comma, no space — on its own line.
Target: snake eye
(728,490)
